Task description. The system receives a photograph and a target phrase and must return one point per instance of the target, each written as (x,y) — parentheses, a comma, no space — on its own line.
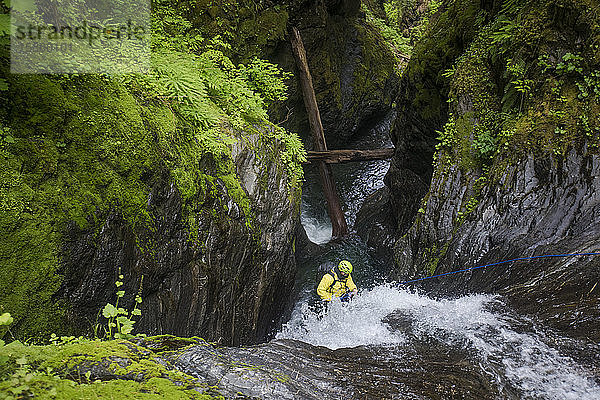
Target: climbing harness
(498,263)
(330,288)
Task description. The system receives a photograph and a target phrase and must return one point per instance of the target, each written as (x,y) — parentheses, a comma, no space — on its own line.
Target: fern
(510,7)
(518,87)
(265,79)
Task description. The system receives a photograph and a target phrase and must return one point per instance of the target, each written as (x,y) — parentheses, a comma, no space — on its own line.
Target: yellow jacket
(326,291)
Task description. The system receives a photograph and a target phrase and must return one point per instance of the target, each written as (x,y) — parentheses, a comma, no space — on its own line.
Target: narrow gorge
(162,233)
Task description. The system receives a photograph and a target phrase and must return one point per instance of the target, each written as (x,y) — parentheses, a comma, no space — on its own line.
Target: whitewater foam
(518,358)
(317,231)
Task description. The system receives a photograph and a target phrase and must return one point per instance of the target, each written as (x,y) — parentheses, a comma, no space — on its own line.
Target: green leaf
(126,325)
(109,311)
(21,361)
(136,311)
(4,24)
(6,319)
(120,293)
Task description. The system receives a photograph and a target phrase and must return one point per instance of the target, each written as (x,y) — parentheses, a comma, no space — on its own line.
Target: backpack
(324,269)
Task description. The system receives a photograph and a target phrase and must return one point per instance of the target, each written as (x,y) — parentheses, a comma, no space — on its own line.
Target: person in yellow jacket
(337,282)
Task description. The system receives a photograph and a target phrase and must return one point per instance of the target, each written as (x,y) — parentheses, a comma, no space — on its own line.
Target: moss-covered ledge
(77,368)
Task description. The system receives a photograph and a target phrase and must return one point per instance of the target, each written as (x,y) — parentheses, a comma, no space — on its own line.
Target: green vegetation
(444,37)
(522,80)
(75,368)
(245,28)
(402,24)
(75,147)
(527,92)
(118,318)
(390,30)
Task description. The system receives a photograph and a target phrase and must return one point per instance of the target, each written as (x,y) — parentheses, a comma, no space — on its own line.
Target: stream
(395,342)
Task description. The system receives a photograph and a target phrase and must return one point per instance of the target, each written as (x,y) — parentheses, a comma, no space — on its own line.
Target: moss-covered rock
(421,104)
(81,369)
(105,172)
(516,151)
(354,70)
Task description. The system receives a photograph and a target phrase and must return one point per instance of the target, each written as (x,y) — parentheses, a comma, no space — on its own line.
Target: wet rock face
(484,206)
(538,206)
(288,369)
(353,70)
(422,105)
(229,284)
(376,223)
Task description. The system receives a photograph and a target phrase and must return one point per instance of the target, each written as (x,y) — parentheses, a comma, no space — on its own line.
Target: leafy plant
(584,123)
(518,88)
(390,31)
(265,79)
(5,321)
(510,7)
(504,33)
(544,63)
(446,137)
(590,85)
(570,63)
(485,143)
(118,318)
(419,30)
(449,73)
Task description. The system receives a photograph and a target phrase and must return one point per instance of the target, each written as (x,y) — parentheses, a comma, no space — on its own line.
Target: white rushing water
(344,324)
(518,357)
(318,232)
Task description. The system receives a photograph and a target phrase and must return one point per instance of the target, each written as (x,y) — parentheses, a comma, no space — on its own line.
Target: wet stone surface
(289,369)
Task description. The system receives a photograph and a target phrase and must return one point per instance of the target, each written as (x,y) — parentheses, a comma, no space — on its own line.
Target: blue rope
(498,263)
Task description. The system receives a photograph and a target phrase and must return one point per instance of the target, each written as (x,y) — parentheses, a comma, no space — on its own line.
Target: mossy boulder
(74,368)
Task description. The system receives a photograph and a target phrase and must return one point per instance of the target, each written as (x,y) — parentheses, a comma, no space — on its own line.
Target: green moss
(443,41)
(74,148)
(518,100)
(70,161)
(398,45)
(432,256)
(527,82)
(60,371)
(378,63)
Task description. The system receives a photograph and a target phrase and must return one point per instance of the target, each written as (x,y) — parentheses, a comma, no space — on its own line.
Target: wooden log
(308,92)
(344,156)
(334,207)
